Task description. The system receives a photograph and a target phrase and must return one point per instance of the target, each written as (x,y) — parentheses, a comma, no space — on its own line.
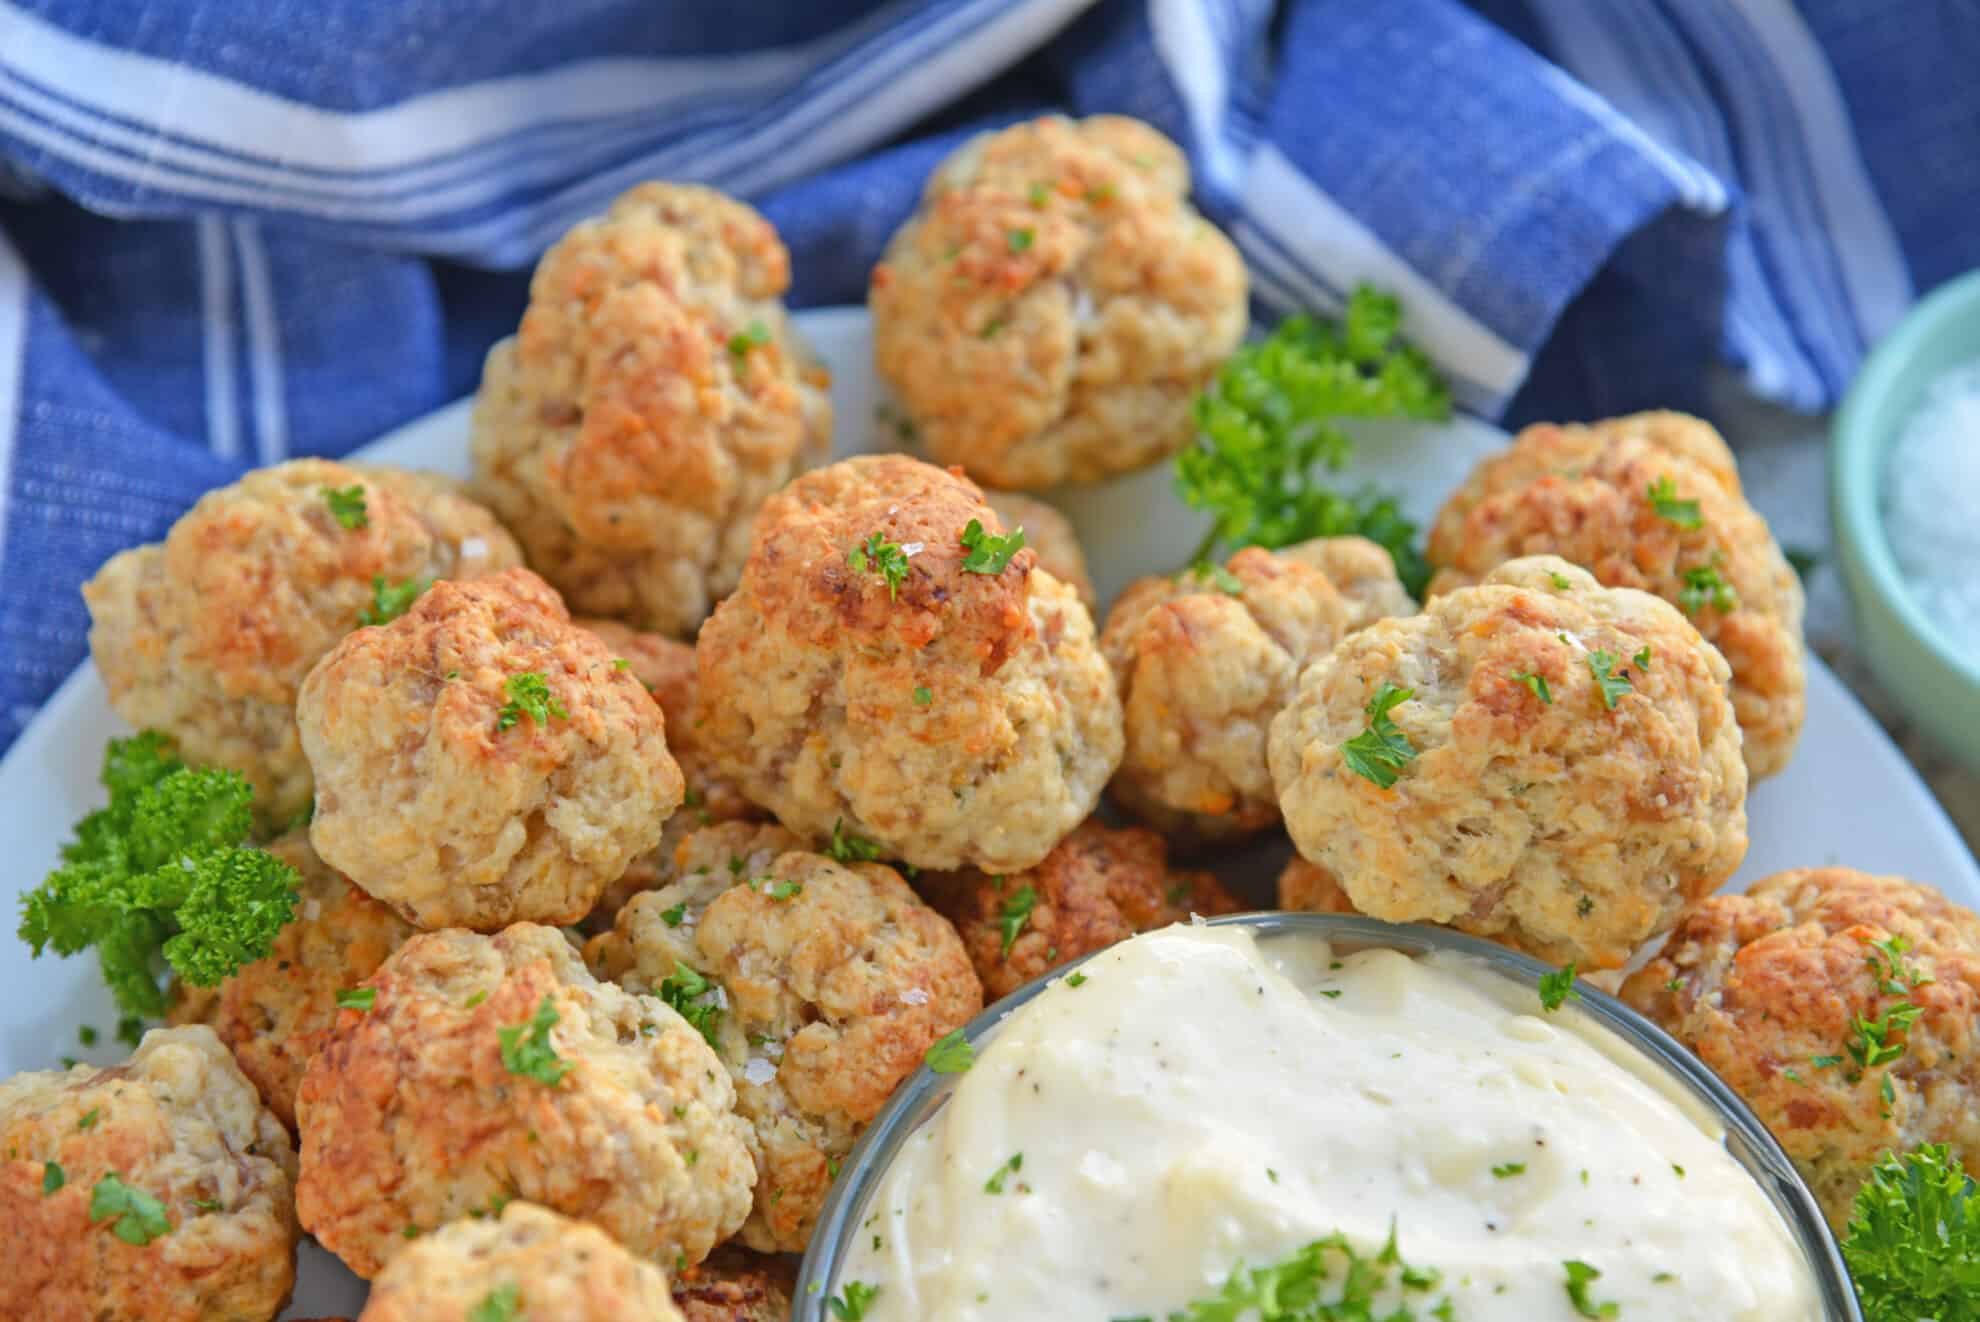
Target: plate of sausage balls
(500,875)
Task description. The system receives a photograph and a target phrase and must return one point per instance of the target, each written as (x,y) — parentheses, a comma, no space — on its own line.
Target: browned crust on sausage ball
(179,1122)
(1100,885)
(737,1286)
(444,800)
(1583,493)
(1768,988)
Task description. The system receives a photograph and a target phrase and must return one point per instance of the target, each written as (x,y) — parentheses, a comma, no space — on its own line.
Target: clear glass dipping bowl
(922,1095)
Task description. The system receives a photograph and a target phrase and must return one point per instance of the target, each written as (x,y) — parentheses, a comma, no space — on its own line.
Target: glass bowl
(923,1094)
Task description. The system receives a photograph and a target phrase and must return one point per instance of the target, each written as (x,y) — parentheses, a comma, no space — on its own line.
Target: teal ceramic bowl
(1938,686)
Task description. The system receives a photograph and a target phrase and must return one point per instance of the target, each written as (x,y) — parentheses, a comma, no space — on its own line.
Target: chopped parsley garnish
(950,1054)
(1825,1062)
(1871,1044)
(1536,683)
(1014,915)
(498,1305)
(347,506)
(526,1047)
(89,1119)
(1038,194)
(845,847)
(86,1035)
(748,338)
(1506,1170)
(1678,513)
(922,697)
(698,1000)
(1380,751)
(529,695)
(1579,1277)
(1642,658)
(135,1216)
(52,1178)
(674,916)
(1703,587)
(1561,581)
(877,555)
(357,998)
(852,1302)
(1075,979)
(208,1204)
(783,890)
(1218,577)
(1326,1279)
(1895,975)
(1610,683)
(1014,1164)
(391,600)
(988,553)
(1913,1242)
(1020,240)
(475,999)
(1557,988)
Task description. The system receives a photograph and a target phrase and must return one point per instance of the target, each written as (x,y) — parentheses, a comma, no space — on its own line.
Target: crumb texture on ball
(275,1013)
(1205,659)
(1053,307)
(1570,775)
(954,711)
(157,1189)
(1099,886)
(208,634)
(1617,497)
(531,1263)
(1773,988)
(492,1068)
(481,760)
(833,981)
(654,395)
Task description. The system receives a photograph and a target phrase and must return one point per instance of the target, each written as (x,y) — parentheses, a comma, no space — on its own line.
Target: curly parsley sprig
(1913,1243)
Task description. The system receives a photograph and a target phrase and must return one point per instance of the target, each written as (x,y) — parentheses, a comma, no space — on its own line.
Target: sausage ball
(736,1286)
(1309,888)
(1649,501)
(1539,760)
(207,635)
(884,670)
(157,1189)
(481,760)
(1793,992)
(826,982)
(526,1263)
(496,1067)
(1051,311)
(1051,535)
(275,1013)
(1101,885)
(654,395)
(1204,661)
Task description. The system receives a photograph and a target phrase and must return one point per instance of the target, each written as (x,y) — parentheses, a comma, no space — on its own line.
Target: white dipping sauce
(1932,504)
(1196,1103)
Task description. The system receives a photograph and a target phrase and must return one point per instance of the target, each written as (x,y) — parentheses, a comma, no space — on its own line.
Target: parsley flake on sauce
(1557,988)
(950,1054)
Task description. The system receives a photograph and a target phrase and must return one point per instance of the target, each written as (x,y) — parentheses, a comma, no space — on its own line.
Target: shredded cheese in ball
(1931,493)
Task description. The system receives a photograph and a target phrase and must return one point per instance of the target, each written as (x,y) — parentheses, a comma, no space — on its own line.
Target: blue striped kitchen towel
(235,232)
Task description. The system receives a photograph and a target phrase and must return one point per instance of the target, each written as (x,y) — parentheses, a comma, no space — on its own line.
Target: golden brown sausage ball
(157,1189)
(1051,311)
(1101,885)
(1614,497)
(953,716)
(1361,571)
(481,760)
(496,1067)
(275,1013)
(1204,661)
(654,395)
(527,1263)
(736,1286)
(1787,992)
(829,980)
(1051,535)
(207,635)
(1575,777)
(1310,888)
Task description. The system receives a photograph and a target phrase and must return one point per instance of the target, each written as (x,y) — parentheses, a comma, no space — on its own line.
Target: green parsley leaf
(86,1035)
(1014,915)
(476,999)
(1075,979)
(1611,685)
(357,998)
(130,1029)
(1871,1040)
(135,1216)
(390,601)
(1506,1170)
(746,339)
(877,555)
(52,1178)
(950,1054)
(1380,751)
(852,1302)
(527,1050)
(989,554)
(995,1184)
(783,890)
(1825,1062)
(1561,582)
(1218,577)
(1913,1242)
(1298,1289)
(845,847)
(1895,975)
(89,1119)
(696,998)
(499,1305)
(1536,683)
(1557,988)
(675,916)
(922,697)
(209,1205)
(1703,587)
(1020,240)
(347,506)
(1679,513)
(529,695)
(1642,658)
(1038,194)
(1579,1277)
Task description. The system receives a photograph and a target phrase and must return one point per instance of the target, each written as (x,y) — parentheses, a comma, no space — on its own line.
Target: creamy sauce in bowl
(1190,1106)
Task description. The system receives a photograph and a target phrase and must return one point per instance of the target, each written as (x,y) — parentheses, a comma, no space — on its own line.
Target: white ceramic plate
(1849,796)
